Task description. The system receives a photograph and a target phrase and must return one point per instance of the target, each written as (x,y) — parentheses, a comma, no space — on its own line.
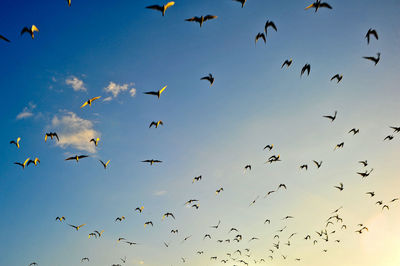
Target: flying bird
(306,67)
(120,219)
(269,24)
(4,38)
(201,19)
(354,131)
(318,4)
(287,63)
(260,35)
(139,209)
(396,129)
(156,124)
(318,164)
(374,59)
(365,174)
(95,141)
(90,101)
(364,163)
(85,259)
(77,227)
(104,164)
(216,226)
(76,157)
(162,8)
(332,118)
(24,164)
(390,137)
(16,142)
(209,78)
(51,135)
(337,77)
(156,93)
(340,145)
(30,30)
(340,187)
(62,218)
(247,167)
(197,178)
(166,215)
(373,33)
(148,223)
(371,193)
(304,166)
(241,1)
(151,162)
(35,161)
(219,190)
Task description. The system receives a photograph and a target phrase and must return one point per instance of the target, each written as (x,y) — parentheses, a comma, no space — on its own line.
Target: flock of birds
(327,232)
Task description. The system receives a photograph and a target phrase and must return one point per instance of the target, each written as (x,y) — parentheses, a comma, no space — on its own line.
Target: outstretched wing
(169,4)
(208,17)
(196,19)
(4,38)
(155,7)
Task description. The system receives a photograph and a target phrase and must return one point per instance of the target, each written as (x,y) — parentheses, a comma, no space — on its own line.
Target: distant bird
(384,206)
(85,259)
(24,164)
(287,217)
(338,77)
(371,193)
(35,161)
(318,4)
(373,33)
(340,187)
(269,147)
(254,201)
(340,145)
(197,178)
(304,166)
(364,163)
(156,124)
(148,223)
(287,63)
(395,199)
(197,206)
(374,59)
(269,24)
(76,157)
(62,218)
(260,35)
(104,164)
(190,201)
(390,137)
(318,164)
(361,230)
(16,142)
(365,174)
(209,78)
(219,190)
(379,202)
(4,38)
(139,209)
(51,135)
(151,162)
(247,167)
(166,215)
(267,221)
(306,67)
(30,30)
(33,264)
(90,101)
(396,129)
(216,226)
(332,118)
(162,8)
(130,243)
(282,186)
(207,235)
(174,231)
(156,93)
(201,19)
(95,141)
(354,131)
(77,227)
(241,1)
(120,219)
(166,245)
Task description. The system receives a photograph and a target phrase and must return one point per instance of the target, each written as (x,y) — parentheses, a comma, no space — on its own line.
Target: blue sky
(95,48)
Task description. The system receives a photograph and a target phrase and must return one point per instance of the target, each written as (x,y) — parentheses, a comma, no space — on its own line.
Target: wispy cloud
(107,99)
(27,111)
(159,193)
(115,89)
(74,131)
(76,83)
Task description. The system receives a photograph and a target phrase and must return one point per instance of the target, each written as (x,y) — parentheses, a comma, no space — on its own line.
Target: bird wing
(95,98)
(310,6)
(34,28)
(155,7)
(152,124)
(163,89)
(4,38)
(169,4)
(196,19)
(272,24)
(210,17)
(24,30)
(151,93)
(83,105)
(82,156)
(325,5)
(70,158)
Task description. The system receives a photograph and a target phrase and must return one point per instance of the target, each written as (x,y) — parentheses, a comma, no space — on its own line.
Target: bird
(304,166)
(207,235)
(167,215)
(364,163)
(174,231)
(90,101)
(190,201)
(196,206)
(156,93)
(92,234)
(338,77)
(30,30)
(104,164)
(260,35)
(287,63)
(99,234)
(85,259)
(130,243)
(247,167)
(354,131)
(332,118)
(282,186)
(269,24)
(241,1)
(269,147)
(374,59)
(35,161)
(197,178)
(51,135)
(151,162)
(95,141)
(166,245)
(76,157)
(201,19)
(119,219)
(162,8)
(77,227)
(384,206)
(32,264)
(4,38)
(219,190)
(254,201)
(365,174)
(209,78)
(373,33)
(24,164)
(318,164)
(396,129)
(216,226)
(267,221)
(148,223)
(139,209)
(306,67)
(16,142)
(287,217)
(156,124)
(390,137)
(62,218)
(379,202)
(340,187)
(395,199)
(318,4)
(361,230)
(340,145)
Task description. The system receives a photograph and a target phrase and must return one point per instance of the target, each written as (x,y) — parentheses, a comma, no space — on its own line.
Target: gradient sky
(213,132)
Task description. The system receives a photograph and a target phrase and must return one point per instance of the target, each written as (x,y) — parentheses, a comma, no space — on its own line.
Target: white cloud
(160,193)
(75,83)
(27,111)
(74,131)
(107,99)
(115,89)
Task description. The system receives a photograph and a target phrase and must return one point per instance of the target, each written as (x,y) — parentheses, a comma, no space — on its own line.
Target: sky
(118,50)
